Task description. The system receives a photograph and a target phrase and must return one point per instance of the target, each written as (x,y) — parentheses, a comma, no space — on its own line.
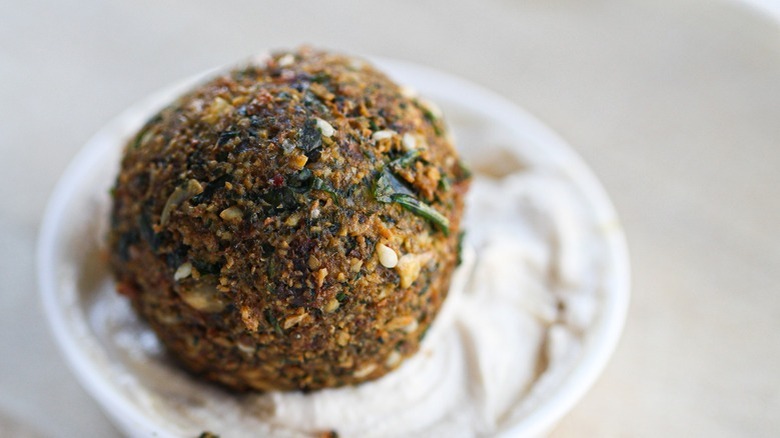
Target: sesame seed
(184,271)
(407,91)
(393,359)
(409,267)
(387,257)
(286,60)
(365,371)
(411,327)
(326,128)
(292,321)
(232,214)
(248,349)
(432,107)
(383,134)
(260,59)
(332,306)
(356,64)
(407,324)
(204,297)
(293,220)
(409,142)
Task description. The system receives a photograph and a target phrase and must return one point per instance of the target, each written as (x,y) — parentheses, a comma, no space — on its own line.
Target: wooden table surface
(675,104)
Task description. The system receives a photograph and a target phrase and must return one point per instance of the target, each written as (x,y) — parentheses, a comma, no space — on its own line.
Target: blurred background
(675,104)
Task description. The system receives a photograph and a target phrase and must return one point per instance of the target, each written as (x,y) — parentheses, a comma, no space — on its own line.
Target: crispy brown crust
(246,236)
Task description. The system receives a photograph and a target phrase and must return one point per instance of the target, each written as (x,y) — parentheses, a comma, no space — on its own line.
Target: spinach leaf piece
(389,189)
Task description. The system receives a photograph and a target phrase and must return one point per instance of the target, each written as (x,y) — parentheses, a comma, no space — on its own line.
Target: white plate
(64,271)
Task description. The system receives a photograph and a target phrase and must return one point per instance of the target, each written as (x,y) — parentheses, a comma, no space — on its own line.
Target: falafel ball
(292,224)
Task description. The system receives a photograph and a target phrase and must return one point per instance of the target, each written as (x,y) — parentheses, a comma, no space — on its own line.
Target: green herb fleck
(180,194)
(459,260)
(464,170)
(302,181)
(310,138)
(431,117)
(424,210)
(389,189)
(270,268)
(405,160)
(388,185)
(320,78)
(445,184)
(146,132)
(320,184)
(141,138)
(269,316)
(341,296)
